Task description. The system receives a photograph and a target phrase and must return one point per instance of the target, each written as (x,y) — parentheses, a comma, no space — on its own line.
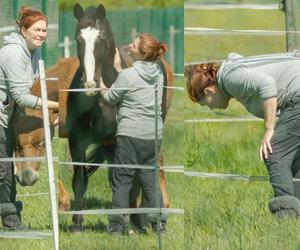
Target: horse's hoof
(76,229)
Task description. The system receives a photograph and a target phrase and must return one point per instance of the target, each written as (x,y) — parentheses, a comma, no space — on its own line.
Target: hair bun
(162,49)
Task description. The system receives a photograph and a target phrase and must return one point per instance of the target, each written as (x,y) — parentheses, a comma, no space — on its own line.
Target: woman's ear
(23,32)
(210,90)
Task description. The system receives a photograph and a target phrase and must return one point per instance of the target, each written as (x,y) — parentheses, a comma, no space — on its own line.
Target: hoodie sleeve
(114,94)
(244,81)
(19,79)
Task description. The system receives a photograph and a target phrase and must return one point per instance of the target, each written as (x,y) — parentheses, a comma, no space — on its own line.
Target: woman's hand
(102,86)
(117,61)
(265,146)
(270,108)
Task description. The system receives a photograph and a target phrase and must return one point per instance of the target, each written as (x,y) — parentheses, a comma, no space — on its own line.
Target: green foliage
(123,4)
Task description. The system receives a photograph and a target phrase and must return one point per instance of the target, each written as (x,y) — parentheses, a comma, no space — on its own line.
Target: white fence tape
(213,31)
(230,176)
(26,235)
(190,6)
(127,211)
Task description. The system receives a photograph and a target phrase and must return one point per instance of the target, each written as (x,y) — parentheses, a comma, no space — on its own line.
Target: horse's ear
(101,13)
(78,11)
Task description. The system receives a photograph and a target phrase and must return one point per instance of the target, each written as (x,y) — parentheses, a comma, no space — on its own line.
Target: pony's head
(95,44)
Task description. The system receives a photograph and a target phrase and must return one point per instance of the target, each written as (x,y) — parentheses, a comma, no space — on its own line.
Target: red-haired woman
(18,69)
(133,92)
(266,86)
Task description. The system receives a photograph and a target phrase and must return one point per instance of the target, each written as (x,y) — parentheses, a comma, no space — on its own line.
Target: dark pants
(134,151)
(284,163)
(7,179)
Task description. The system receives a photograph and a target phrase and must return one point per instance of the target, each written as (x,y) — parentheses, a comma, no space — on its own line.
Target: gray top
(18,69)
(254,79)
(133,91)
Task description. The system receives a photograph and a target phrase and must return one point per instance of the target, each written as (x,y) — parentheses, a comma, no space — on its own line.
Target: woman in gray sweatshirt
(133,92)
(267,86)
(18,70)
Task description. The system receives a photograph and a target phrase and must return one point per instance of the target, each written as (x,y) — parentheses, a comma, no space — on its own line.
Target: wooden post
(133,34)
(172,46)
(290,8)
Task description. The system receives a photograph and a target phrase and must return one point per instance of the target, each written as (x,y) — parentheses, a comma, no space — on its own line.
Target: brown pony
(28,125)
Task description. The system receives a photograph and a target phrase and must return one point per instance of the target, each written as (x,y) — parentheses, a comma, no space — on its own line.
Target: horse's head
(95,45)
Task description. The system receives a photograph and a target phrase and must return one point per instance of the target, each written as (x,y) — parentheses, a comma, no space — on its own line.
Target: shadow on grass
(89,204)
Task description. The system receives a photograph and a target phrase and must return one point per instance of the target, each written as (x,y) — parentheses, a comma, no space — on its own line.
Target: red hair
(28,16)
(150,47)
(199,77)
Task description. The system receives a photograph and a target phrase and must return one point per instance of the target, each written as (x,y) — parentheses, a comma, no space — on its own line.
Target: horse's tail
(164,105)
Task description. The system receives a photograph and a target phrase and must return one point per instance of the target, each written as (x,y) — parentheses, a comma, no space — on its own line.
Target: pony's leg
(163,184)
(63,197)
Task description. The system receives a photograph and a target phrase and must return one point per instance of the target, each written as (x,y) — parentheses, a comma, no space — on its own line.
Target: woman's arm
(270,109)
(117,62)
(51,104)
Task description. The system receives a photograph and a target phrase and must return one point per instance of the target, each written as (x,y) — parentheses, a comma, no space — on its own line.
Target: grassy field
(227,214)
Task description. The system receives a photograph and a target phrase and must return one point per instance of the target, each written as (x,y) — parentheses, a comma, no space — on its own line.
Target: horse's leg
(163,185)
(79,185)
(80,178)
(63,197)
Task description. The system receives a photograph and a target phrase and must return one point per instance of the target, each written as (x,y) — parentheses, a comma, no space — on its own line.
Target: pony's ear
(78,11)
(100,12)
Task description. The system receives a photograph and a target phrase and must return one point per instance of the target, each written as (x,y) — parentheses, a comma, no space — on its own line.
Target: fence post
(49,156)
(172,46)
(133,33)
(67,44)
(290,8)
(15,9)
(44,51)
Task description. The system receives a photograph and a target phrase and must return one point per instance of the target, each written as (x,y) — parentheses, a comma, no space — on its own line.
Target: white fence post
(133,33)
(67,46)
(49,156)
(172,46)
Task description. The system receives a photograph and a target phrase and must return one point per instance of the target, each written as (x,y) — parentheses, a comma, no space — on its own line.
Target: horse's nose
(27,177)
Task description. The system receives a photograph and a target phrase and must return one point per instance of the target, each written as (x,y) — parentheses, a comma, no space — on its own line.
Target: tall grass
(226,214)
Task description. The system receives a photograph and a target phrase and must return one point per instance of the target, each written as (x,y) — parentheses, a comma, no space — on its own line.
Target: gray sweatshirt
(18,68)
(133,91)
(252,80)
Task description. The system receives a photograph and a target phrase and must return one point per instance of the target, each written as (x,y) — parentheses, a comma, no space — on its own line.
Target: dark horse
(90,121)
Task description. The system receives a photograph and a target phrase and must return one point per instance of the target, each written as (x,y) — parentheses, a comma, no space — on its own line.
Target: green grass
(210,47)
(227,214)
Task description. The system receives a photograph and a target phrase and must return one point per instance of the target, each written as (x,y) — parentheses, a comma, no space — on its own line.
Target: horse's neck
(109,75)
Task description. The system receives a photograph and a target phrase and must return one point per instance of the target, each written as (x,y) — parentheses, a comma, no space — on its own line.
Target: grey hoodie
(133,91)
(254,79)
(18,69)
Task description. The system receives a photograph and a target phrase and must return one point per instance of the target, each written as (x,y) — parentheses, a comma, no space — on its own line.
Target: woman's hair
(28,16)
(199,77)
(151,48)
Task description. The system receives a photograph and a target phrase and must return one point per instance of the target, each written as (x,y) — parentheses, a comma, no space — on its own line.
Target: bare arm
(51,104)
(270,108)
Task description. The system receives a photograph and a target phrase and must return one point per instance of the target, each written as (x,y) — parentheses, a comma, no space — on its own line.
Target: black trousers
(7,180)
(284,163)
(134,151)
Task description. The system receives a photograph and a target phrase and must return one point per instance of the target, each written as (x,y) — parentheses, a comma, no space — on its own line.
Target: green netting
(124,22)
(9,13)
